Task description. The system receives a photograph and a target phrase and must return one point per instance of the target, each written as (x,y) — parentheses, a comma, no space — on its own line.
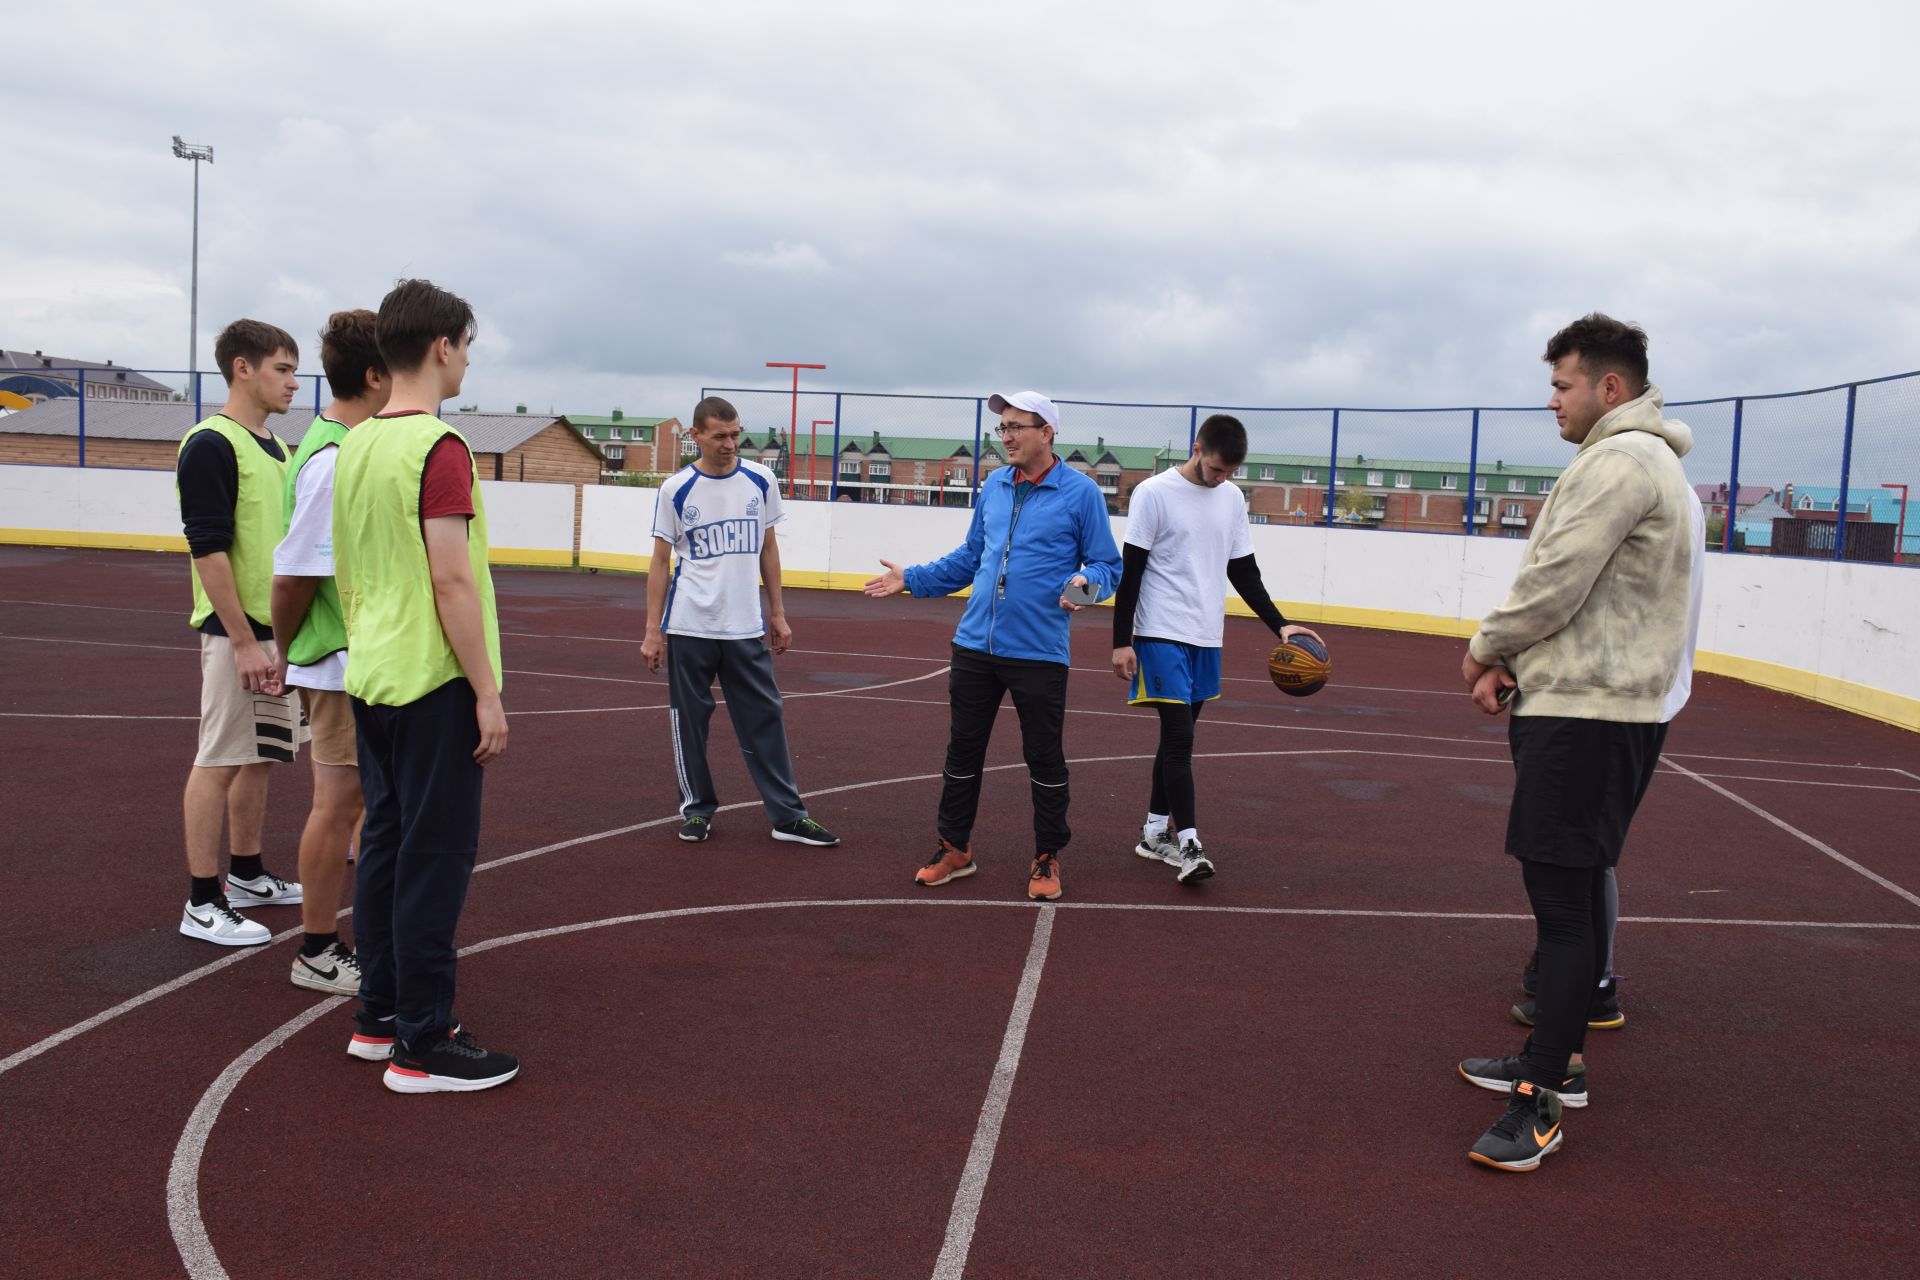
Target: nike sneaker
(696,829)
(219,923)
(805,831)
(335,971)
(1498,1074)
(265,890)
(1528,1132)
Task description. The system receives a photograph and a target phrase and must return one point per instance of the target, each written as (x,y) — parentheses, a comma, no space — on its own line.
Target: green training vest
(259,520)
(322,632)
(399,652)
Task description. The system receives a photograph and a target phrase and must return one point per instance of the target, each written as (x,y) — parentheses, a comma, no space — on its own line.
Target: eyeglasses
(1007,430)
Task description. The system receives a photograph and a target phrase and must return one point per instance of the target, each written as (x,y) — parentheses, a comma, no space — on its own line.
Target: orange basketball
(1299,667)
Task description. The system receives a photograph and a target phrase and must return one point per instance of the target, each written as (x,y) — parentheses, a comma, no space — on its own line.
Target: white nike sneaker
(219,923)
(335,971)
(266,890)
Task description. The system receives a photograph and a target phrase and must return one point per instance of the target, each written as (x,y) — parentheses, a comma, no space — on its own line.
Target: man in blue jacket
(1038,528)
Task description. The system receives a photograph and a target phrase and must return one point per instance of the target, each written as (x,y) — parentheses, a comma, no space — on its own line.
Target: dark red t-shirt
(446,483)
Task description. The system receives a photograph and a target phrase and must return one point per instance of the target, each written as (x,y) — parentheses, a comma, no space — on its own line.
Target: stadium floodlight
(793,417)
(195,152)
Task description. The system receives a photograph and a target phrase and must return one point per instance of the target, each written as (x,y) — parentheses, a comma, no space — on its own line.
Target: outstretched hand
(890,583)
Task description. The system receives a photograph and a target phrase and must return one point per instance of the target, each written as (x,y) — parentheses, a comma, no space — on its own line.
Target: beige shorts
(330,720)
(237,727)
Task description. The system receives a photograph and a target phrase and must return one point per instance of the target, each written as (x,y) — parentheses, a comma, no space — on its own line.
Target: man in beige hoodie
(1584,652)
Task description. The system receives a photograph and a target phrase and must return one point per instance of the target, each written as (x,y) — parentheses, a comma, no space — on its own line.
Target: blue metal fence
(1850,451)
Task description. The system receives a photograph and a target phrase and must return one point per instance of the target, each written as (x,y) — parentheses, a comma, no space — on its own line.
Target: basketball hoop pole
(793,419)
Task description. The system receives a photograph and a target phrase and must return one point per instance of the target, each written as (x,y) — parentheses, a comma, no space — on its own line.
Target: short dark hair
(715,409)
(348,349)
(252,341)
(1604,345)
(1223,436)
(413,316)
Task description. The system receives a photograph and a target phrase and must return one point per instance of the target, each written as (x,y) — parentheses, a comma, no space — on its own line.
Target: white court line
(189,1230)
(110,608)
(1800,835)
(52,715)
(952,1263)
(1796,764)
(108,644)
(1807,782)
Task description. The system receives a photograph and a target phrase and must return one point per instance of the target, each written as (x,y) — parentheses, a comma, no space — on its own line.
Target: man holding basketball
(1038,529)
(1187,535)
(1584,652)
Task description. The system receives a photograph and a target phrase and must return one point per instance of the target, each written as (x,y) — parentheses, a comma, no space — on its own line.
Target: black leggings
(1570,918)
(1173,763)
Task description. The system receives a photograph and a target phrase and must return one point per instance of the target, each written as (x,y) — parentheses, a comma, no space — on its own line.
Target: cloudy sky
(1249,203)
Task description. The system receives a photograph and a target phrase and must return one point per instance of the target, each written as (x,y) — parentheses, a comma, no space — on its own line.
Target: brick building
(631,444)
(146,436)
(1385,493)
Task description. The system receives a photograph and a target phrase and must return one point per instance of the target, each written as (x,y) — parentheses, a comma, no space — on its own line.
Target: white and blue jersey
(717,525)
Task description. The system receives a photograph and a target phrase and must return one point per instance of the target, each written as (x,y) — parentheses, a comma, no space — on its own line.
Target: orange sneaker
(948,864)
(1045,880)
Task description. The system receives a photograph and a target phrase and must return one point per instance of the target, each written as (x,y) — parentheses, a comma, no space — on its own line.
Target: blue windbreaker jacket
(1019,557)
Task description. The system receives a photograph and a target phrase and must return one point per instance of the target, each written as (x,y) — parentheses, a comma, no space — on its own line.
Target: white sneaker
(1162,847)
(335,971)
(219,923)
(266,890)
(1194,863)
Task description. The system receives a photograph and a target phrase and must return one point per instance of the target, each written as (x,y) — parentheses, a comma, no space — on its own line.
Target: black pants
(745,671)
(1577,786)
(975,687)
(1173,764)
(417,851)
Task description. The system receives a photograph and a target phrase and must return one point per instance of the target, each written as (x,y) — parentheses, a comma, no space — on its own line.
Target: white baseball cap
(1031,401)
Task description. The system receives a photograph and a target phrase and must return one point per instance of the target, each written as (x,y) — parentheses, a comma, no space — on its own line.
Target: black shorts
(1576,786)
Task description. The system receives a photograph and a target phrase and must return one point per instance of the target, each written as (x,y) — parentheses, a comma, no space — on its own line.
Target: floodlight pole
(793,420)
(195,152)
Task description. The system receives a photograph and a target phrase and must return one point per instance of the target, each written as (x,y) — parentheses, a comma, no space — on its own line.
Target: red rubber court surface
(757,1059)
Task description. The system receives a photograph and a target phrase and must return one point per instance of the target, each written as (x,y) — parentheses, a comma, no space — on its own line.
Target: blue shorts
(1170,671)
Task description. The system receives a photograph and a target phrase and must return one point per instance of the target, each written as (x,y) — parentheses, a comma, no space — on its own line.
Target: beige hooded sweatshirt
(1595,623)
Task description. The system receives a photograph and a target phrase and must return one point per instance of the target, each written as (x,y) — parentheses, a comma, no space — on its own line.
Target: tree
(1354,505)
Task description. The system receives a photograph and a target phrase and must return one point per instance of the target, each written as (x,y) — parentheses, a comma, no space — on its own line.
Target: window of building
(1449,482)
(1266,473)
(1240,472)
(1546,486)
(1516,486)
(849,466)
(1402,480)
(879,470)
(1479,484)
(1339,478)
(616,453)
(1515,509)
(1308,476)
(688,448)
(1256,518)
(1376,477)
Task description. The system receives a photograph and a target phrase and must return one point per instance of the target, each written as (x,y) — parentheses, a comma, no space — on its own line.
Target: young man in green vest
(231,478)
(312,639)
(410,562)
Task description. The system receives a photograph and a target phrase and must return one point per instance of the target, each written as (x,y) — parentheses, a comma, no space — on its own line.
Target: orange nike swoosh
(1544,1138)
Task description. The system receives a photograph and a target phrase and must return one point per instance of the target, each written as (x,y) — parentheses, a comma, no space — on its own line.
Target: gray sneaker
(1162,847)
(335,971)
(1195,866)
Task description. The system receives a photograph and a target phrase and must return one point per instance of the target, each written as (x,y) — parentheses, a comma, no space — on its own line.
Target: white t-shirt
(1683,678)
(307,552)
(717,525)
(1191,531)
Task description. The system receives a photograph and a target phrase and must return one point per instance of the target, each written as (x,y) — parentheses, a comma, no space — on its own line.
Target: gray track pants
(745,671)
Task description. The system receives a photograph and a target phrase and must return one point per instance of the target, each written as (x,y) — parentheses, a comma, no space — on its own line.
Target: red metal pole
(793,418)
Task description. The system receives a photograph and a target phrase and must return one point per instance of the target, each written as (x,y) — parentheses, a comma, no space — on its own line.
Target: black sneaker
(1530,976)
(1603,1014)
(1528,1131)
(372,1037)
(696,828)
(804,831)
(1498,1074)
(453,1063)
